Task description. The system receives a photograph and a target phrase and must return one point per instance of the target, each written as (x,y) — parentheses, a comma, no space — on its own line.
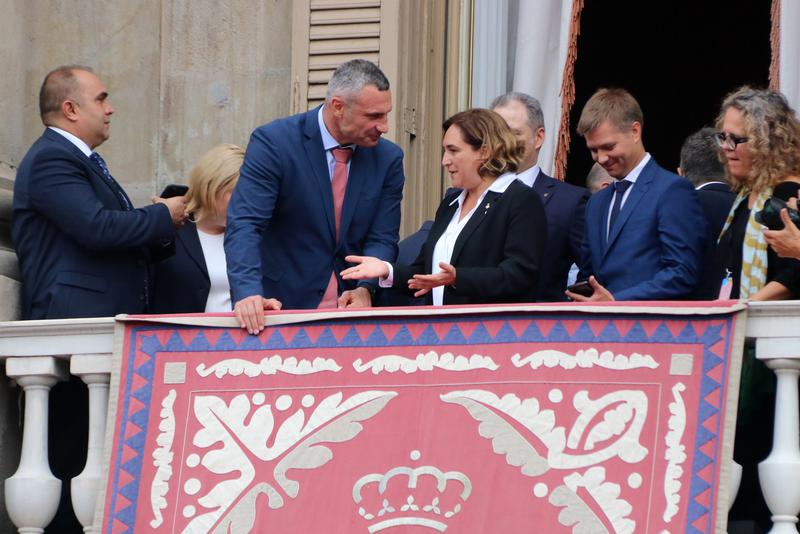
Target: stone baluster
(779,473)
(33,493)
(95,371)
(736,481)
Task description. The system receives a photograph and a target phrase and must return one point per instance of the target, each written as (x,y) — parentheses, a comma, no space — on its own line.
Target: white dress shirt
(78,142)
(631,177)
(443,250)
(528,176)
(219,294)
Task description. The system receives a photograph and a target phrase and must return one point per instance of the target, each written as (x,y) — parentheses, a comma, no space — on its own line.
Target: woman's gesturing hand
(425,282)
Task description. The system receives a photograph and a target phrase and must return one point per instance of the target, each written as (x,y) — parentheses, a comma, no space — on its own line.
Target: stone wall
(183,75)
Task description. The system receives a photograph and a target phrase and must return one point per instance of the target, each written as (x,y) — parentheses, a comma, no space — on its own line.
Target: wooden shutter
(326,34)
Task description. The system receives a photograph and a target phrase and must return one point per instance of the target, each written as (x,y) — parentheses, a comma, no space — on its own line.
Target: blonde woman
(196,279)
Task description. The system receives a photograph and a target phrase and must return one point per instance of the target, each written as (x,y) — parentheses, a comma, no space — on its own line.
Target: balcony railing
(38,354)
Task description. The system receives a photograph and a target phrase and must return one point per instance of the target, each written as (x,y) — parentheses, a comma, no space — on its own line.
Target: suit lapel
(94,168)
(440,224)
(474,222)
(317,160)
(545,187)
(638,192)
(190,240)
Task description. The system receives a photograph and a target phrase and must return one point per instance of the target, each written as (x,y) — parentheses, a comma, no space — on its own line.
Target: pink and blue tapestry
(502,419)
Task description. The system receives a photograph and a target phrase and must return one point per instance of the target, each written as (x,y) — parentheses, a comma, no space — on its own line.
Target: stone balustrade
(37,354)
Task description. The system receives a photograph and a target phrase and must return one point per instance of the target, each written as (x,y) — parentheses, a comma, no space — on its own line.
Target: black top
(497,255)
(729,256)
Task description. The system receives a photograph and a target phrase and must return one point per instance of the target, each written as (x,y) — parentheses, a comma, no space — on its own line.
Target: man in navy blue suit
(644,236)
(564,204)
(83,248)
(292,220)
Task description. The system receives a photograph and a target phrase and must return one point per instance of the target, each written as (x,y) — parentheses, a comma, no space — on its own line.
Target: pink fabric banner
(506,420)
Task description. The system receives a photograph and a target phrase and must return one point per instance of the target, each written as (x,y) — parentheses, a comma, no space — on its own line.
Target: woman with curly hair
(760,139)
(487,240)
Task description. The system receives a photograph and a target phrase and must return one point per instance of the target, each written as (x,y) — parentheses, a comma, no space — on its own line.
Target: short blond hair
(216,172)
(617,106)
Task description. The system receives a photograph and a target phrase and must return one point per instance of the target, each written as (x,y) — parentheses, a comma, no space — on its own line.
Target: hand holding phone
(174,190)
(583,288)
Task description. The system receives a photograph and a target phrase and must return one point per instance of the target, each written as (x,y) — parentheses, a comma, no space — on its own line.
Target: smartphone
(583,288)
(174,190)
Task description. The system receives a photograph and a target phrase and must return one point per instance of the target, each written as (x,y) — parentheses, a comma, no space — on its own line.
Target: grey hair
(597,175)
(352,76)
(701,158)
(534,108)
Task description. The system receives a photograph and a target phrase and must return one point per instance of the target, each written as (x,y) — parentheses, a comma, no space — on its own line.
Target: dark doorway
(679,59)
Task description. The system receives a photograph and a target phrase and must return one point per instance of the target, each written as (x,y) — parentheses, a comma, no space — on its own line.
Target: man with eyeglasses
(644,234)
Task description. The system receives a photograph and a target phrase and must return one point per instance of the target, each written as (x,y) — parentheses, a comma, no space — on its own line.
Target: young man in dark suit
(314,188)
(564,204)
(644,238)
(83,248)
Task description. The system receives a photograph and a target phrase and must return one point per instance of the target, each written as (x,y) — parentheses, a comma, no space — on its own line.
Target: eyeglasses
(729,141)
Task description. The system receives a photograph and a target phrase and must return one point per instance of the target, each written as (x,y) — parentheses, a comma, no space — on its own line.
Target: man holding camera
(83,248)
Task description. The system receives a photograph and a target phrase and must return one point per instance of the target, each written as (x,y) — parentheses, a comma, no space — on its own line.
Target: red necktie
(338,187)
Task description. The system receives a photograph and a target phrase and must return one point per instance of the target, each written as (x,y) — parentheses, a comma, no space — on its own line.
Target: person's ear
(538,138)
(69,109)
(337,106)
(636,131)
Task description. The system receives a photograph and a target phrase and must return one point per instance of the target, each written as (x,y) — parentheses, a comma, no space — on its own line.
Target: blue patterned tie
(126,203)
(620,186)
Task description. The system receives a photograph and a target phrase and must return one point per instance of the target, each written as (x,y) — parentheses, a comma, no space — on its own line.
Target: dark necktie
(100,162)
(620,186)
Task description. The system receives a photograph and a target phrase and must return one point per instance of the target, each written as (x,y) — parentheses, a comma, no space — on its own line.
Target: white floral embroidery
(162,459)
(268,366)
(425,362)
(584,359)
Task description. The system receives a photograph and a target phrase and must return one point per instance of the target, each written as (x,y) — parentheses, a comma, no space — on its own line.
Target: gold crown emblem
(410,512)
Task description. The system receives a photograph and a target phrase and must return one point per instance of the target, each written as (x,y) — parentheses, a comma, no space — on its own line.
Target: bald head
(59,85)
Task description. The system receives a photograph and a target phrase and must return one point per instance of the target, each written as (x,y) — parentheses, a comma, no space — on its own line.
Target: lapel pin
(487,206)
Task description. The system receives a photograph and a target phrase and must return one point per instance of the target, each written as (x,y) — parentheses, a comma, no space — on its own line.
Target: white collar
(701,186)
(499,185)
(528,176)
(77,141)
(634,174)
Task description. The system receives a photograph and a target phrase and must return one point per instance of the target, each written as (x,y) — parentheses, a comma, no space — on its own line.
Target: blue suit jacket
(80,253)
(655,249)
(280,239)
(564,205)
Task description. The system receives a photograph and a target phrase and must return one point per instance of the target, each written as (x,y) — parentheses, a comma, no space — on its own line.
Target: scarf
(754,249)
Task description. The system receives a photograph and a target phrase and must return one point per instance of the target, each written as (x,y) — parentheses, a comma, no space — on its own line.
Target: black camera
(770,216)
